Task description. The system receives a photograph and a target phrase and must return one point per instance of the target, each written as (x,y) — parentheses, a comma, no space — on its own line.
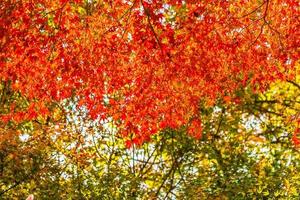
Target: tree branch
(294,84)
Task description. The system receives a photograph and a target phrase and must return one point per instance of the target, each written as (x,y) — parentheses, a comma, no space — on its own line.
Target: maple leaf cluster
(145,64)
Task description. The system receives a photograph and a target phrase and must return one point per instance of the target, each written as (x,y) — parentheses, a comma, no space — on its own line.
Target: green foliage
(245,152)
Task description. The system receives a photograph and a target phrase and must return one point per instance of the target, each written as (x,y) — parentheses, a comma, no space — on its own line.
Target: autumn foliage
(148,65)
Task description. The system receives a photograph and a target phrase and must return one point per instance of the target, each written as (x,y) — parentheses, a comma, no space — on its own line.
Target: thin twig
(294,84)
(150,24)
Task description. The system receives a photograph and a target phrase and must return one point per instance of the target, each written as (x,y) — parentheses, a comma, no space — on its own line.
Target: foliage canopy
(138,99)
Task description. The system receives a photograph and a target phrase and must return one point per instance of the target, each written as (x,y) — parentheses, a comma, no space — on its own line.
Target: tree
(147,65)
(246,151)
(149,99)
